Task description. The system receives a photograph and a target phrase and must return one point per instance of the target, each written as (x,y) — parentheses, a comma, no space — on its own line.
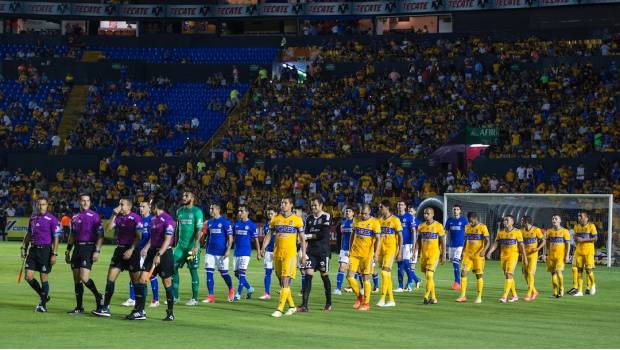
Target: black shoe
(302,309)
(169,316)
(76,311)
(432,301)
(102,311)
(587,292)
(40,308)
(327,308)
(573,291)
(425,301)
(557,296)
(136,316)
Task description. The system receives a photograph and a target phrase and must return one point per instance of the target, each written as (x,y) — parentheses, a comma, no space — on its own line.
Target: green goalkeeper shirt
(189,221)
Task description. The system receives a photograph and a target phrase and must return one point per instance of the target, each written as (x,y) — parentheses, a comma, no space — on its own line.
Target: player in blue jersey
(455,225)
(268,264)
(220,239)
(145,212)
(244,233)
(346,227)
(409,236)
(414,257)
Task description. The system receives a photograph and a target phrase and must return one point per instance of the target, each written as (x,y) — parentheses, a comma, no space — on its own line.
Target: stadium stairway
(75,105)
(92,56)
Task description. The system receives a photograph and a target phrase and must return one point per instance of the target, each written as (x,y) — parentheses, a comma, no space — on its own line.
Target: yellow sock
(390,288)
(555,283)
(427,293)
(431,284)
(590,279)
(480,285)
(580,281)
(530,284)
(384,283)
(282,301)
(513,287)
(367,291)
(463,286)
(560,281)
(354,285)
(507,283)
(575,278)
(289,298)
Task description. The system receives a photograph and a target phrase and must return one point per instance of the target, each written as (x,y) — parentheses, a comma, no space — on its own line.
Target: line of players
(145,248)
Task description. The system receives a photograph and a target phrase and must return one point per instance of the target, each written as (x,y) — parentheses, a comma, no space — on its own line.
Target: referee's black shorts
(39,258)
(165,268)
(82,257)
(131,265)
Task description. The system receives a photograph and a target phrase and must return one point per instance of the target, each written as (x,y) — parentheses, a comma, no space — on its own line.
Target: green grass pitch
(569,322)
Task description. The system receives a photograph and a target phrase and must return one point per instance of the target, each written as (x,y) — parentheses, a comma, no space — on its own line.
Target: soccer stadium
(310,174)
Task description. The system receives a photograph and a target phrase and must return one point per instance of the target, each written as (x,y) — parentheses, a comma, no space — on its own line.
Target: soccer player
(345,243)
(409,232)
(585,235)
(189,227)
(510,241)
(87,235)
(432,247)
(317,253)
(220,241)
(266,252)
(244,233)
(414,255)
(391,243)
(365,245)
(299,212)
(456,226)
(534,241)
(145,212)
(44,231)
(286,226)
(476,244)
(128,231)
(558,247)
(158,261)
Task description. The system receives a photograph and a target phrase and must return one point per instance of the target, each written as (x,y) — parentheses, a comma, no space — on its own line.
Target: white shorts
(407,251)
(343,258)
(142,258)
(216,261)
(268,260)
(455,253)
(241,263)
(414,258)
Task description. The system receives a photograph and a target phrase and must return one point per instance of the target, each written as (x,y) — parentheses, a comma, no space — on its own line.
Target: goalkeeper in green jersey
(187,251)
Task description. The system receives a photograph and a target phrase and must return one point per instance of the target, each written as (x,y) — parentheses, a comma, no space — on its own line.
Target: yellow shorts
(386,258)
(361,265)
(473,262)
(428,262)
(286,266)
(532,260)
(555,263)
(583,261)
(509,263)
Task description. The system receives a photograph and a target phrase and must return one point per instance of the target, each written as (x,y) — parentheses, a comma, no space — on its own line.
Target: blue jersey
(407,221)
(456,227)
(272,242)
(245,232)
(346,228)
(146,230)
(218,229)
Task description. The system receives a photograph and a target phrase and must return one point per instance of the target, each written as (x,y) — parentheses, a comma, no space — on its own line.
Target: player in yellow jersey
(391,242)
(534,241)
(365,244)
(510,241)
(558,247)
(286,227)
(432,247)
(585,235)
(476,244)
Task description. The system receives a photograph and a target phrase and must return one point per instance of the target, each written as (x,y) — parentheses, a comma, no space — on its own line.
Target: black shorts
(131,265)
(82,257)
(39,258)
(165,268)
(317,262)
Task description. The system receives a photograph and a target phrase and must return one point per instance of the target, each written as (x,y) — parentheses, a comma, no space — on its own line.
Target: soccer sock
(79,294)
(390,287)
(354,285)
(513,288)
(360,278)
(480,285)
(195,284)
(590,280)
(555,283)
(45,287)
(580,281)
(144,289)
(367,291)
(226,278)
(306,290)
(243,282)
(132,292)
(267,280)
(175,282)
(169,298)
(431,283)
(532,283)
(303,280)
(91,285)
(289,298)
(456,267)
(560,281)
(575,277)
(154,288)
(327,285)
(401,273)
(375,280)
(384,283)
(414,277)
(210,281)
(109,291)
(282,301)
(463,286)
(139,288)
(339,280)
(507,283)
(35,285)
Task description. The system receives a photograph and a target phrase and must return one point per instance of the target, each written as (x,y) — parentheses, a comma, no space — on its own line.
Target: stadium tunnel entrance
(433,202)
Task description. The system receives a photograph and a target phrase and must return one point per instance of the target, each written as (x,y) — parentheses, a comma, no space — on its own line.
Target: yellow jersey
(429,236)
(364,233)
(531,237)
(474,238)
(286,229)
(587,231)
(509,242)
(390,227)
(557,240)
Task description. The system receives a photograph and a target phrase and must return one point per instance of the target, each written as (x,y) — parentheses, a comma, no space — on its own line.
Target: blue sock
(410,272)
(226,278)
(360,278)
(210,281)
(154,288)
(303,280)
(375,280)
(132,293)
(401,273)
(339,280)
(456,265)
(241,285)
(267,280)
(414,277)
(243,280)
